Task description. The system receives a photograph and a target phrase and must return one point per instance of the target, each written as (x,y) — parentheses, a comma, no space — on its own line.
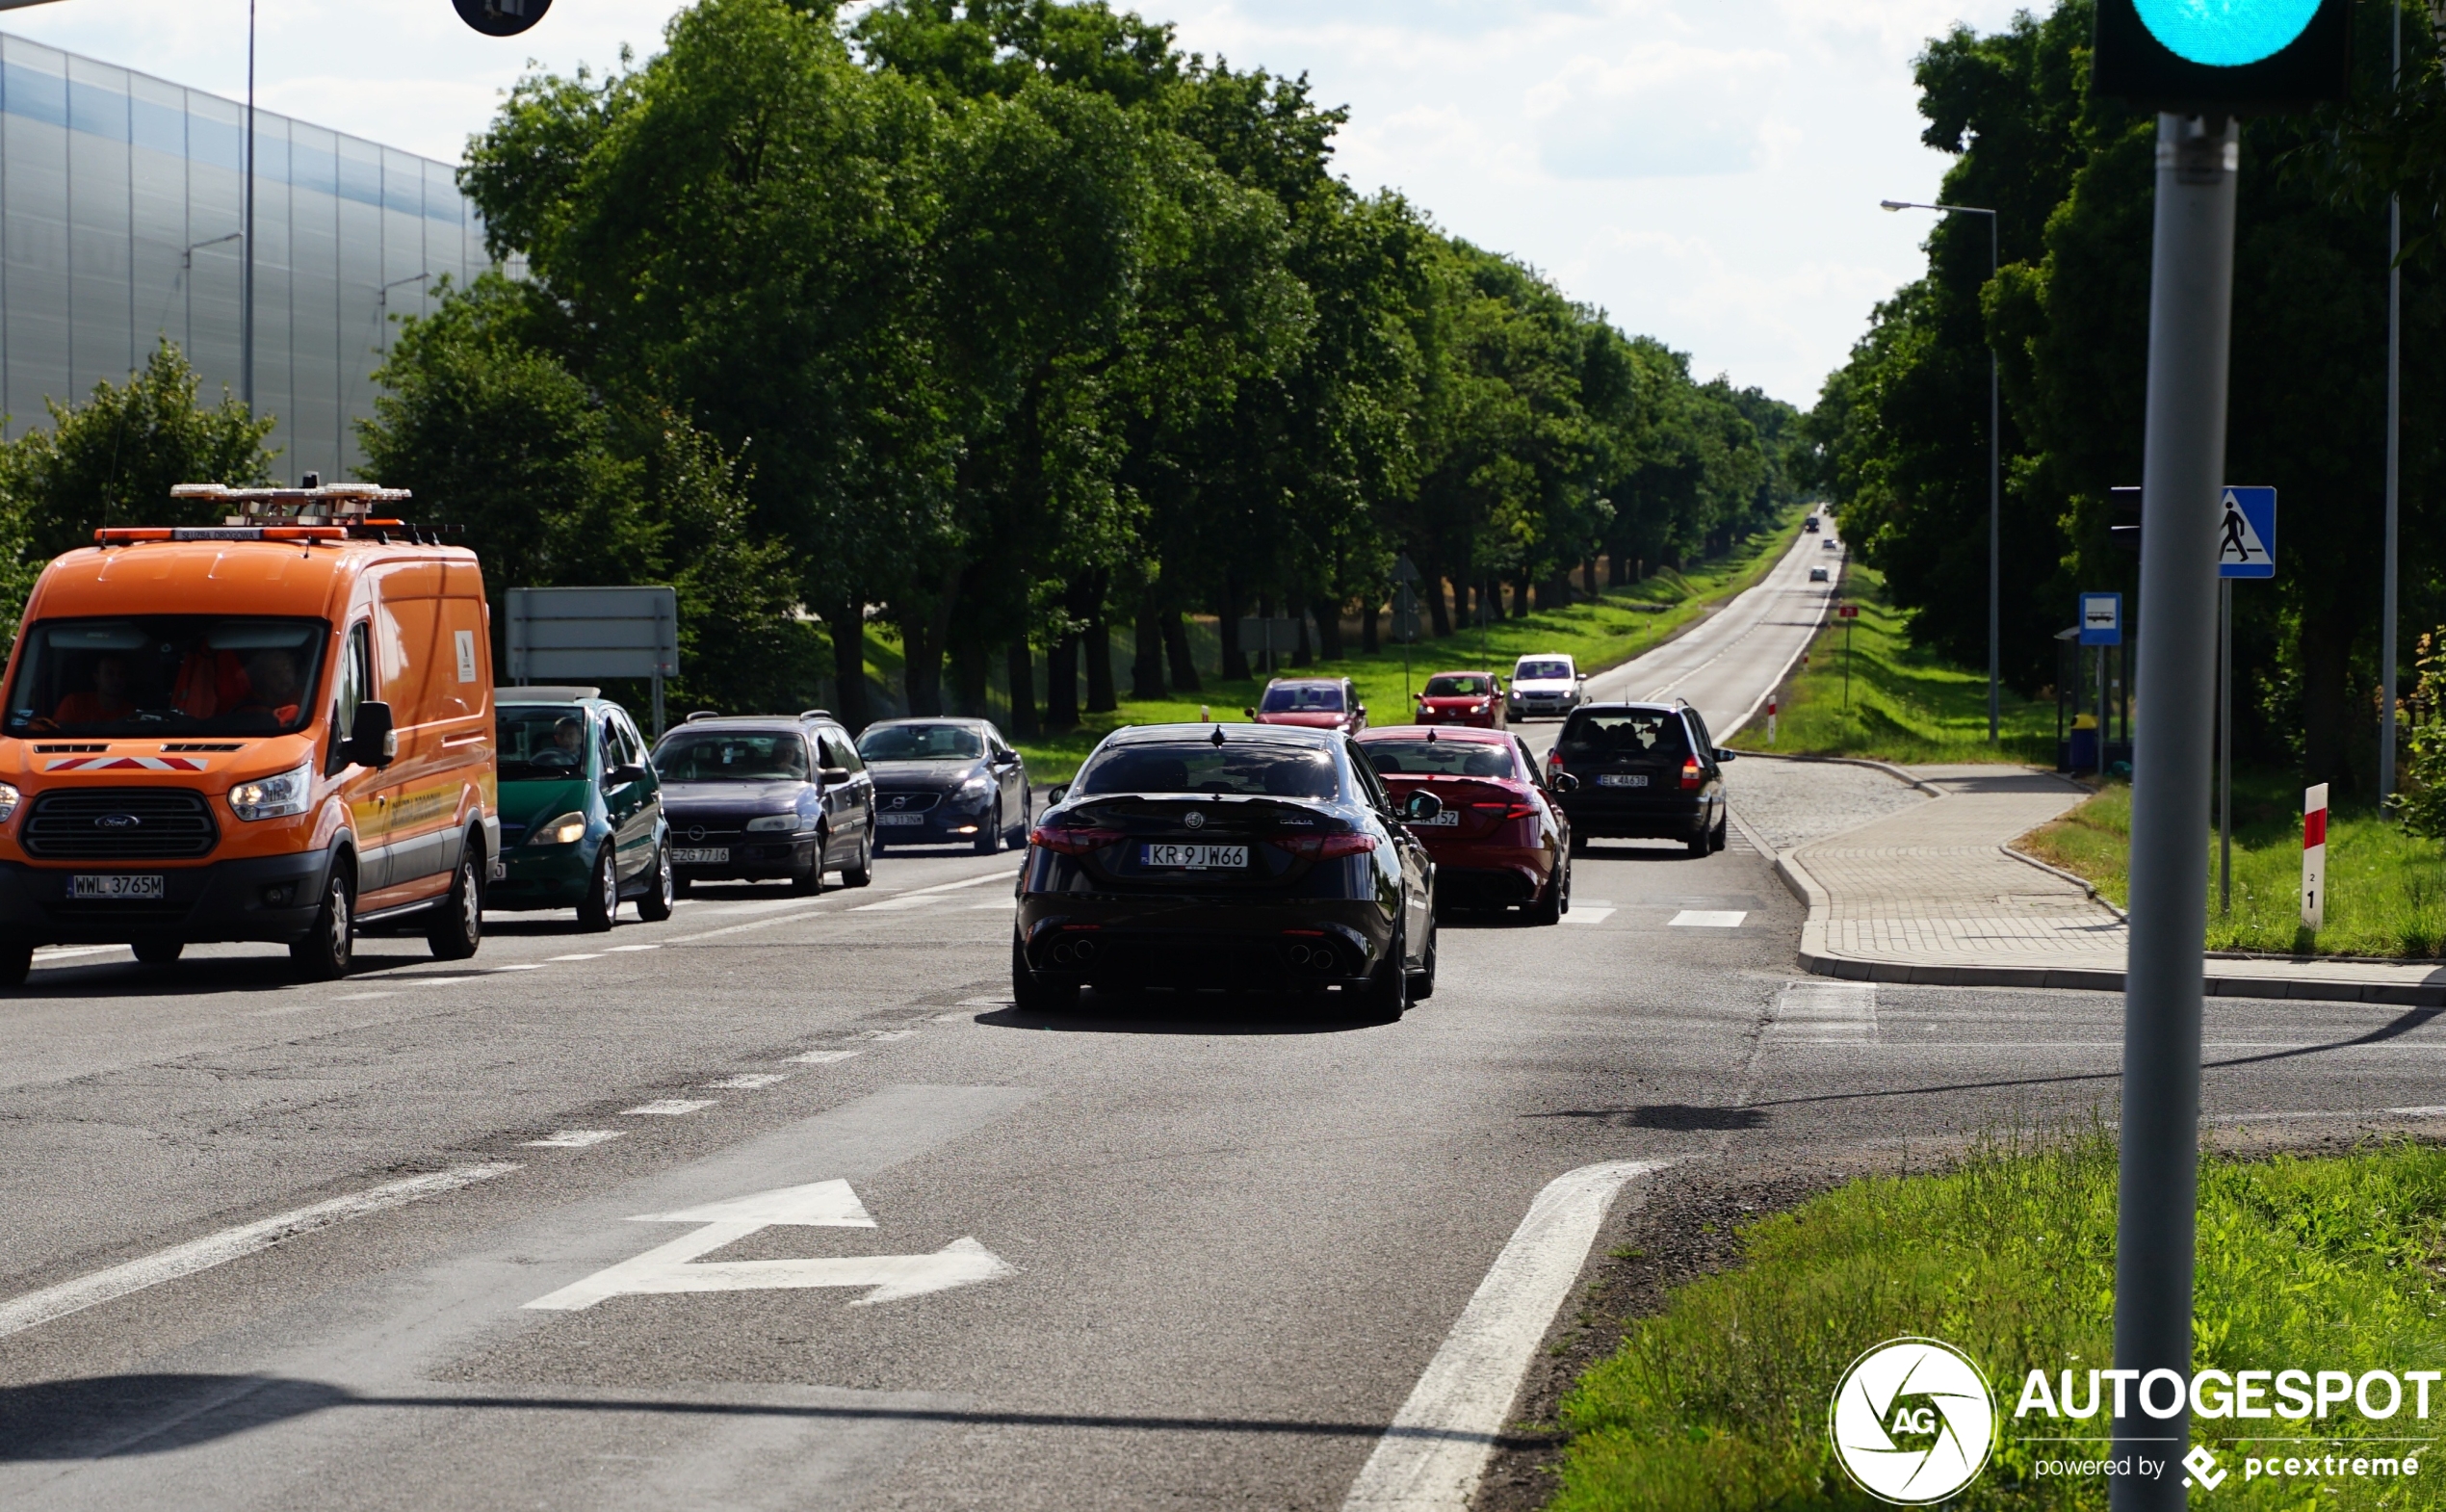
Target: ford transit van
(277,729)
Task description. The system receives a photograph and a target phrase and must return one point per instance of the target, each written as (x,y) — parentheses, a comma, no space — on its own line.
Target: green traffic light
(2226,34)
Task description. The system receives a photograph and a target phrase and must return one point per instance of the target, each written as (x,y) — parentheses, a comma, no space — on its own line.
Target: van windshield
(166,674)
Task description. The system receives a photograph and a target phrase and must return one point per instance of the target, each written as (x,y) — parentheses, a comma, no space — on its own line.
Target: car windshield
(1467,685)
(540,742)
(733,756)
(184,674)
(921,742)
(1280,771)
(1542,671)
(1303,699)
(1638,733)
(1441,758)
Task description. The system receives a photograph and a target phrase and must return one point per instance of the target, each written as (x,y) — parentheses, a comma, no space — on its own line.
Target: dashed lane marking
(752,1081)
(668,1107)
(595,955)
(517,966)
(1709,919)
(36,1308)
(573,1139)
(613,948)
(363,996)
(1582,915)
(822,1057)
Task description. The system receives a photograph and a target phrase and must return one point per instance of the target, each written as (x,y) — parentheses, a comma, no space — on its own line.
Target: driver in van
(108,701)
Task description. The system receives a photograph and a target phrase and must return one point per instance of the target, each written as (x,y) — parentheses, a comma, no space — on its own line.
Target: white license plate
(889,820)
(117,887)
(1622,779)
(1447,820)
(718,855)
(1193,858)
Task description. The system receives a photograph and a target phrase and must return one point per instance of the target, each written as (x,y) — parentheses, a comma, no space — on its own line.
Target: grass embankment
(1720,1401)
(1906,705)
(1599,634)
(2386,890)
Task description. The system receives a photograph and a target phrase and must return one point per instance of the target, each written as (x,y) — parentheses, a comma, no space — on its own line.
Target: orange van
(277,729)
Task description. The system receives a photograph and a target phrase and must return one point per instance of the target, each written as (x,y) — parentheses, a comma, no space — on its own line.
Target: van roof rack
(323,504)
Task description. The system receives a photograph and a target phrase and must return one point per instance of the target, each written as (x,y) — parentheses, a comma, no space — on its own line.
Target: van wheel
(157,951)
(457,926)
(603,895)
(654,905)
(326,954)
(17,959)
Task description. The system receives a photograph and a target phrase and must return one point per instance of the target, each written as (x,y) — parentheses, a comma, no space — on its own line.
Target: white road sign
(675,1268)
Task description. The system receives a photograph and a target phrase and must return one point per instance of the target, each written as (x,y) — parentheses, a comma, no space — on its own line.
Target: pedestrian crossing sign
(2247,534)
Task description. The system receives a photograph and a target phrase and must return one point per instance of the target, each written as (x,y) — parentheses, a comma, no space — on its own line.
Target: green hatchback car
(581,823)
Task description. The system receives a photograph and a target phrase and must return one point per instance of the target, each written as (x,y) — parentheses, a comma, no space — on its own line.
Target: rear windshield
(747,756)
(540,742)
(184,674)
(1644,733)
(1441,758)
(1303,699)
(1542,671)
(1470,686)
(1256,770)
(921,742)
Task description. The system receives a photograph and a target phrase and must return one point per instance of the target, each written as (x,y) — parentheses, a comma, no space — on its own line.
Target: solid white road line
(610,947)
(752,1081)
(1709,919)
(885,1037)
(593,956)
(1437,1447)
(668,1107)
(573,1139)
(821,1058)
(36,1308)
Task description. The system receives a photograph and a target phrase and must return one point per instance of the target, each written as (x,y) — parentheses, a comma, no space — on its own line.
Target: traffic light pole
(2190,332)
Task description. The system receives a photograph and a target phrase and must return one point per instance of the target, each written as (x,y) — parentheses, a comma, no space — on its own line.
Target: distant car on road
(1810,525)
(1500,841)
(1197,856)
(1468,698)
(581,824)
(946,782)
(1316,703)
(1645,770)
(1546,684)
(766,797)
(1818,575)
(1830,544)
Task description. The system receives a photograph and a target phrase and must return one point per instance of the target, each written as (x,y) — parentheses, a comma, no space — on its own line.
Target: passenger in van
(107,702)
(208,682)
(272,685)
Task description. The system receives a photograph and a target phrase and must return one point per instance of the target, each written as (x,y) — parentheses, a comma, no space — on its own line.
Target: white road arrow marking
(674,1267)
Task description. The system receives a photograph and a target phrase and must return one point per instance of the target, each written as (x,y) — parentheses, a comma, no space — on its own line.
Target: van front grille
(120,825)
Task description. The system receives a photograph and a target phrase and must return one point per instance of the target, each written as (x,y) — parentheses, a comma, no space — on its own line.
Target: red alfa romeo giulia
(1500,840)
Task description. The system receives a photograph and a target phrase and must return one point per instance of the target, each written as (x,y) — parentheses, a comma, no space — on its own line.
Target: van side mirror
(374,741)
(1420,807)
(834,776)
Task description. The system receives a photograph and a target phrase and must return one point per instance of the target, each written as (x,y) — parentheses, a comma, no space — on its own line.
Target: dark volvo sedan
(946,782)
(1195,856)
(1645,770)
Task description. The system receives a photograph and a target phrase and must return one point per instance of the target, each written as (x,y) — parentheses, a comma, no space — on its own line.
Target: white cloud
(1660,110)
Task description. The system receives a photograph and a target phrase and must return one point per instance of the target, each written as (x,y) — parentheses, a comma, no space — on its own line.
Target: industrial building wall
(119,200)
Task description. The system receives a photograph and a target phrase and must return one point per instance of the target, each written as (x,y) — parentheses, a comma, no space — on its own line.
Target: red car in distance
(1467,699)
(1317,703)
(1500,840)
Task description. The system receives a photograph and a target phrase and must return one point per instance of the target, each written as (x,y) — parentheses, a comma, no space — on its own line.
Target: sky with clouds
(1705,170)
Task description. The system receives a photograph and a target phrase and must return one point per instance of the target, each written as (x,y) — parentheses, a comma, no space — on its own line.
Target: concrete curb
(1898,773)
(2074,877)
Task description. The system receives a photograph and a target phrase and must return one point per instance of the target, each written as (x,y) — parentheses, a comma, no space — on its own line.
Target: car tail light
(1069,842)
(1691,773)
(1554,760)
(1324,848)
(1518,808)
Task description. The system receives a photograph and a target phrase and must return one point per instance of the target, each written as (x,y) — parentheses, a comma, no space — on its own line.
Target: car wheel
(1386,995)
(1031,993)
(157,951)
(989,840)
(457,928)
(1698,845)
(602,901)
(16,960)
(655,905)
(1551,908)
(810,882)
(863,872)
(1724,823)
(1422,980)
(330,950)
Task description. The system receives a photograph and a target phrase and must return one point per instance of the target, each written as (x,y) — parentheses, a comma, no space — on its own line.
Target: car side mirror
(374,741)
(1363,711)
(623,776)
(1247,712)
(1563,782)
(1056,792)
(1420,807)
(1723,755)
(834,776)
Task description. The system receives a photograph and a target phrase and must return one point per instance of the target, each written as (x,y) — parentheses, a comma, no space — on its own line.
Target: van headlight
(276,798)
(567,830)
(773,822)
(9,798)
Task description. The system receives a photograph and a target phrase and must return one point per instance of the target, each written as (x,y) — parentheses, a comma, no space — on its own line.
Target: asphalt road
(1153,1254)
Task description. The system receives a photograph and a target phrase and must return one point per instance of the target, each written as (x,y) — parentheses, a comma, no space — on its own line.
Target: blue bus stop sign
(2102,620)
(2247,536)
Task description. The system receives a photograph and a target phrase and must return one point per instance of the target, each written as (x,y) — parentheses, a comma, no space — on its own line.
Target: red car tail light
(1691,773)
(1518,808)
(1069,842)
(1324,848)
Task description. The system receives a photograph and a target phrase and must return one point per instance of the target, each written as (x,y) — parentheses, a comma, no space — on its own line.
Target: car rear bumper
(1679,816)
(1192,943)
(1484,886)
(271,899)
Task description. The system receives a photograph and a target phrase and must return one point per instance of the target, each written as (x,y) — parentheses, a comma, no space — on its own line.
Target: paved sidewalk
(1931,894)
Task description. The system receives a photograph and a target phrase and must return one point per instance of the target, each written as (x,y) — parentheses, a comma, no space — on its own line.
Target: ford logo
(118,821)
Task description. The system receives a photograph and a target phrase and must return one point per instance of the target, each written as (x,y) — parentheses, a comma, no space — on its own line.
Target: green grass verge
(2386,890)
(1904,704)
(1599,634)
(1720,1402)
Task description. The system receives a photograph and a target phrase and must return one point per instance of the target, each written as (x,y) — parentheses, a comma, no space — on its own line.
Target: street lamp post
(2394,463)
(1996,455)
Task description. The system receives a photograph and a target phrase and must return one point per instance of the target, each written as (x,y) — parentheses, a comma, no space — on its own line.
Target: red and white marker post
(1770,724)
(2315,856)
